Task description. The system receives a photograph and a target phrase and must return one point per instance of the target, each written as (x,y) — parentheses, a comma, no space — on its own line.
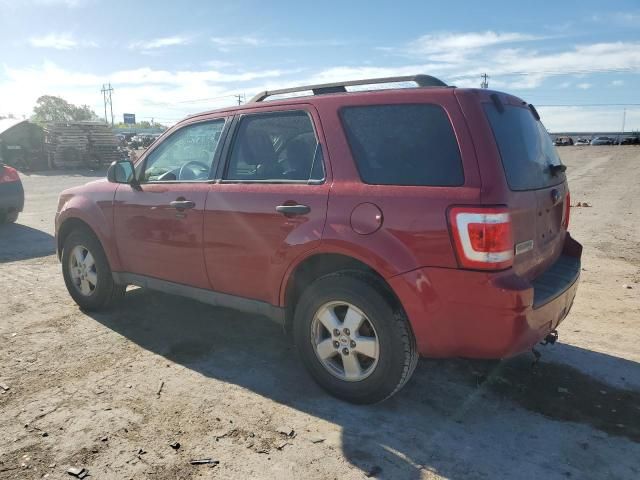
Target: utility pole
(106,96)
(485,81)
(624,119)
(241,98)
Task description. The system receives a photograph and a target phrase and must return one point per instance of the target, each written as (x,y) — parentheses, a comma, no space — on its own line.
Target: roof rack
(339,87)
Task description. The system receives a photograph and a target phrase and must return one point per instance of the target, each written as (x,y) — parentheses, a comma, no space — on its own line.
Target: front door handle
(182,204)
(293,209)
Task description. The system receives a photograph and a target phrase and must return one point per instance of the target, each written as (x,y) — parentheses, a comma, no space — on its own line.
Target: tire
(356,295)
(102,292)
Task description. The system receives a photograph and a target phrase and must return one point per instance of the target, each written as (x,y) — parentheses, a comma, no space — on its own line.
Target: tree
(50,108)
(142,124)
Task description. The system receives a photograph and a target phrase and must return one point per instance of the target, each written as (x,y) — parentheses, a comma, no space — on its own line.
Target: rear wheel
(86,272)
(351,339)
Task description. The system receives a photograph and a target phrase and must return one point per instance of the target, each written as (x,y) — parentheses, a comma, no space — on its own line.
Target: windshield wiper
(555,169)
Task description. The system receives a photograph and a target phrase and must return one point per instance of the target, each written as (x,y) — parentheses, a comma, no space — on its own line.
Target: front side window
(275,147)
(406,144)
(187,155)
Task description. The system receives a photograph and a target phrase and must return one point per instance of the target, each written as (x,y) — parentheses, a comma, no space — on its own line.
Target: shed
(22,144)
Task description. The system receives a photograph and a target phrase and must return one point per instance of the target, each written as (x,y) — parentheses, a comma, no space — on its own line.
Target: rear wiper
(555,169)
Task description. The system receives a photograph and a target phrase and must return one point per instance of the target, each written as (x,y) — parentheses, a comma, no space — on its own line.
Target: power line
(588,105)
(554,72)
(198,100)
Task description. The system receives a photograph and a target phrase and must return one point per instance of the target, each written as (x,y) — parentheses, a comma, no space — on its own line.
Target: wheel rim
(82,269)
(345,341)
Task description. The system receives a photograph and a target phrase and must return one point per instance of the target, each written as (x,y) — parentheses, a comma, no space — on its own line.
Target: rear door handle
(182,204)
(293,209)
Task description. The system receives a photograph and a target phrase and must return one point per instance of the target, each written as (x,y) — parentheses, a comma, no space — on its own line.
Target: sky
(578,61)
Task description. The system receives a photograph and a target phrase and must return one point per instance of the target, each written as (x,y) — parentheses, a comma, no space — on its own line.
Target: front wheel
(86,272)
(352,340)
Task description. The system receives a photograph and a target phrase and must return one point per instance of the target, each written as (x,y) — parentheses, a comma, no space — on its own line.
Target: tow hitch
(551,338)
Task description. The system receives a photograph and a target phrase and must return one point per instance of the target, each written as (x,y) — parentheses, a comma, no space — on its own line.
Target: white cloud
(59,41)
(45,3)
(163,94)
(584,85)
(225,44)
(589,119)
(244,41)
(630,18)
(161,42)
(217,64)
(66,3)
(444,43)
(461,58)
(617,83)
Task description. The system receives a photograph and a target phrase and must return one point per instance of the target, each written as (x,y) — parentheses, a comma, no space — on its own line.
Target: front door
(159,226)
(270,205)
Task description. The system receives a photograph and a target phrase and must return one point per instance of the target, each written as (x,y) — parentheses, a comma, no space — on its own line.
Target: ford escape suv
(375,226)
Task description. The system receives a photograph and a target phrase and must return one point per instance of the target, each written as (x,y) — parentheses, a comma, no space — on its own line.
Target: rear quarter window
(525,147)
(403,145)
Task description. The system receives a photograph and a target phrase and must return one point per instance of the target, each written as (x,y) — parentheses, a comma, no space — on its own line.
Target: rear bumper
(487,314)
(11,197)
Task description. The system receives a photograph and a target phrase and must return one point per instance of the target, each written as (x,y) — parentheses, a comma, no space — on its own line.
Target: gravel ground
(110,392)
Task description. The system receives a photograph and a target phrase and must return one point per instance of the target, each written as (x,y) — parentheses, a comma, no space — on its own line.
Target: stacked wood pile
(74,144)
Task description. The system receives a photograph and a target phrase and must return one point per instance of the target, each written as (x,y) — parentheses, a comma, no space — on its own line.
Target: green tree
(50,108)
(142,124)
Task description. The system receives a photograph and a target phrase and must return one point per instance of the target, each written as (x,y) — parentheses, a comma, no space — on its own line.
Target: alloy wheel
(82,270)
(345,341)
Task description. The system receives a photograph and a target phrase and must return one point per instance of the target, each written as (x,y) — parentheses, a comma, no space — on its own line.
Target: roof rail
(339,87)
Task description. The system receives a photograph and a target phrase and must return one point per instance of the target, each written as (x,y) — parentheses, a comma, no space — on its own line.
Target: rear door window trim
(232,134)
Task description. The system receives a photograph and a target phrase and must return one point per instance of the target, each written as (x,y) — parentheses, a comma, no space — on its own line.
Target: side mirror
(122,171)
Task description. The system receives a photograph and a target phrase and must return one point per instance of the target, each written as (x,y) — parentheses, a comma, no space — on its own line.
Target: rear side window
(525,147)
(276,147)
(403,145)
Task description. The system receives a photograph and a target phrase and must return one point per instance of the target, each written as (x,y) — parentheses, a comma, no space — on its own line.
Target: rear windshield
(403,145)
(525,147)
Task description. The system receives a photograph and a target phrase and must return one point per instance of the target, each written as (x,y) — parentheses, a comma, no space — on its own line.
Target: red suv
(375,226)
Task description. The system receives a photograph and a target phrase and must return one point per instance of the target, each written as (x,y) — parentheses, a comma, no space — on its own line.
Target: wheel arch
(72,223)
(65,229)
(320,264)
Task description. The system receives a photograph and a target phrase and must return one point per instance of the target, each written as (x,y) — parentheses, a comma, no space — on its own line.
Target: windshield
(525,147)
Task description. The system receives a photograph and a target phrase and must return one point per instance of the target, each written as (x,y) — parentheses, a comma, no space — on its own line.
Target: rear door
(269,206)
(537,184)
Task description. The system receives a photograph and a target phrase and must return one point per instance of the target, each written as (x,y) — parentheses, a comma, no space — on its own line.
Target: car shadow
(456,418)
(19,242)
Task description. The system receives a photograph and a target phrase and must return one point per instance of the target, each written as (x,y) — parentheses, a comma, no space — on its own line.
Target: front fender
(95,209)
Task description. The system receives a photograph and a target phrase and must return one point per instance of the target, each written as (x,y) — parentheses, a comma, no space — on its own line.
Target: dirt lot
(83,390)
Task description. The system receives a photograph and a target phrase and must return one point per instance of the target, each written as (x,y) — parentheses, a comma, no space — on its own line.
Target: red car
(11,194)
(375,226)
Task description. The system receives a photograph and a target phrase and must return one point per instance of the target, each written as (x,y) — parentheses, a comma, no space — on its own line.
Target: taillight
(483,237)
(8,174)
(567,211)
